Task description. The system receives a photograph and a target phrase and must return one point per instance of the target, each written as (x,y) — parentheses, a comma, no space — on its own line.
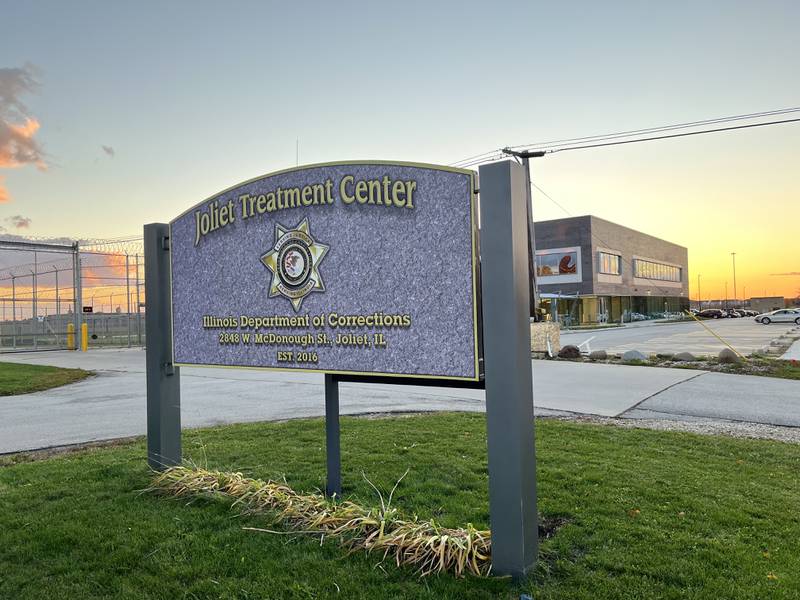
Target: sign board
(364,268)
(88,309)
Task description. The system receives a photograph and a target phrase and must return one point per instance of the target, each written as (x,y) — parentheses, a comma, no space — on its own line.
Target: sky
(122,114)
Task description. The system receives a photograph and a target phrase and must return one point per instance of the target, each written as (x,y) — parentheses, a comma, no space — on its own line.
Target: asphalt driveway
(744,334)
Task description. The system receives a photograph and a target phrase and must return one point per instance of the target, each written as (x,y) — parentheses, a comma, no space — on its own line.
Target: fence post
(507,359)
(35,320)
(138,307)
(128,295)
(163,378)
(77,307)
(58,307)
(14,311)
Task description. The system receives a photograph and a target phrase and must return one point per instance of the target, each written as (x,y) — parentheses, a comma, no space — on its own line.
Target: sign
(88,309)
(362,268)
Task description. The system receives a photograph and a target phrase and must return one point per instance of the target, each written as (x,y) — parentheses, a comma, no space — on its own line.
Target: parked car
(712,313)
(784,315)
(736,313)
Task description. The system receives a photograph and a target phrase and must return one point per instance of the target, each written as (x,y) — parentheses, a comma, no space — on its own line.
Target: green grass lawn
(650,515)
(16,378)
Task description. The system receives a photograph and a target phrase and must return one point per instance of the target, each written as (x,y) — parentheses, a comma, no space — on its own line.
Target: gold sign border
(433,167)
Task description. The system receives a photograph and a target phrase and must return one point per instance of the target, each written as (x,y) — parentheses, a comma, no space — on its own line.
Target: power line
(660,128)
(493,157)
(555,145)
(472,158)
(674,135)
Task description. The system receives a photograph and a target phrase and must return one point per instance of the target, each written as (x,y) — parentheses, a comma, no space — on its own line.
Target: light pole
(733,255)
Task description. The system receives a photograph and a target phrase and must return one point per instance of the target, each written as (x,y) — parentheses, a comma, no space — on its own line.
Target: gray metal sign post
(163,378)
(333,451)
(507,363)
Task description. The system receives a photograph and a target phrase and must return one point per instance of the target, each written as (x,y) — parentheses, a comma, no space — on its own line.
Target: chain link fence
(50,288)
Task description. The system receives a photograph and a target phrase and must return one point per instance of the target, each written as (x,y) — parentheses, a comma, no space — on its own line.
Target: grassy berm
(16,378)
(649,515)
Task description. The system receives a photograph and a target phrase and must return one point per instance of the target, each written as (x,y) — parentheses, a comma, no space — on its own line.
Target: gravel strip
(790,435)
(737,429)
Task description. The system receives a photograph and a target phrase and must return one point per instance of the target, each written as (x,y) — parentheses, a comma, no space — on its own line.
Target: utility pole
(534,289)
(733,254)
(726,294)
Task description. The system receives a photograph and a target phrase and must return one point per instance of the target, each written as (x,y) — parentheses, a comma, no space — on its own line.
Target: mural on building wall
(558,263)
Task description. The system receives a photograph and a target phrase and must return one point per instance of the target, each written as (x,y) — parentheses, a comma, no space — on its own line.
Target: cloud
(19,222)
(108,150)
(4,197)
(790,274)
(14,83)
(18,147)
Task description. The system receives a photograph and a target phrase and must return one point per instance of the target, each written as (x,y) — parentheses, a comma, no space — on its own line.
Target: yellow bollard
(84,337)
(70,336)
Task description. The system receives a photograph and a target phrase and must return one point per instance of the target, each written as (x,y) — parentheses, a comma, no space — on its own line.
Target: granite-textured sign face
(363,267)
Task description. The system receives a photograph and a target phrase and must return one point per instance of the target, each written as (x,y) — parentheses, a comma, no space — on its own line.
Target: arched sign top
(418,165)
(358,267)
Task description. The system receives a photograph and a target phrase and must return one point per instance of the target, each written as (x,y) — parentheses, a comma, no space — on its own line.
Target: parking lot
(745,335)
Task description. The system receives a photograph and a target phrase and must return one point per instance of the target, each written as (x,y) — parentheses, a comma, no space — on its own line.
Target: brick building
(593,271)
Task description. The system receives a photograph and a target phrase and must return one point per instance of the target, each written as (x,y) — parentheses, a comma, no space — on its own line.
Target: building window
(556,263)
(658,271)
(609,264)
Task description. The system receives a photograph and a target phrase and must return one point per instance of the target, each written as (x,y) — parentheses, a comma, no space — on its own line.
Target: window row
(653,270)
(609,264)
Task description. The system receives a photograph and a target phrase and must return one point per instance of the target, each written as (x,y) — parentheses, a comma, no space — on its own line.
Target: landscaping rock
(728,356)
(545,337)
(569,351)
(598,355)
(632,355)
(684,357)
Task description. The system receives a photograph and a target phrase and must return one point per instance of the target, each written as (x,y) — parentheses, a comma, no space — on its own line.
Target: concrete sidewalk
(112,404)
(793,353)
(751,399)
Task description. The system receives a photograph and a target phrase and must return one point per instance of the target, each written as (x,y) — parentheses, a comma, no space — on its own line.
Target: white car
(784,315)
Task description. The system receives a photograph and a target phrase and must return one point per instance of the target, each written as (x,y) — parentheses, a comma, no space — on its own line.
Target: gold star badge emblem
(294,262)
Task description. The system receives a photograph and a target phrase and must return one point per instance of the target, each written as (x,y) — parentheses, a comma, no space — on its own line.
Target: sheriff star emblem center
(294,261)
